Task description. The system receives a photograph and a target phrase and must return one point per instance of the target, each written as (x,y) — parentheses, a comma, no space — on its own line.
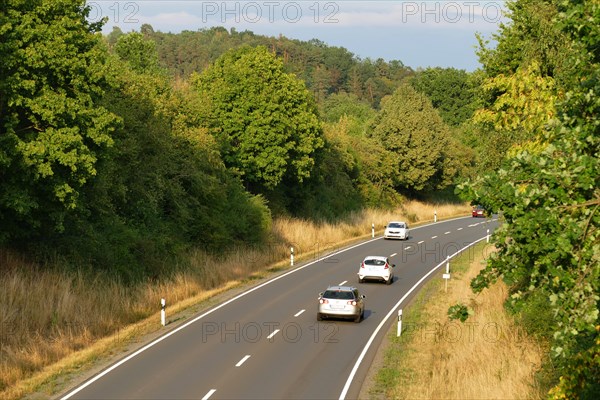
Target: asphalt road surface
(267,344)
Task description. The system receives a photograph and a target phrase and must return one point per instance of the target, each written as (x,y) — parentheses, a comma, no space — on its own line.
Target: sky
(420,34)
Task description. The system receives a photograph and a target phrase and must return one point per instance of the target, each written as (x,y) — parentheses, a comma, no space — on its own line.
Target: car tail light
(352,302)
(323,301)
(362,265)
(386,266)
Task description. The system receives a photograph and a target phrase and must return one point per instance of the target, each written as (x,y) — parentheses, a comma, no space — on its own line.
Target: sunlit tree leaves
(52,129)
(263,118)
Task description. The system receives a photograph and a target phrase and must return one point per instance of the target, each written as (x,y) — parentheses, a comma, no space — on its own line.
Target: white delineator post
(487,238)
(163,317)
(292,256)
(446,276)
(372,230)
(399,332)
(434,215)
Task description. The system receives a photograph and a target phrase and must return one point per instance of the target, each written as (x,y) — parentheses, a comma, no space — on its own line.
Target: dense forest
(125,152)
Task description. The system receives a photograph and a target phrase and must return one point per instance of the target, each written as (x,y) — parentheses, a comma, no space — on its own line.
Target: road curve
(266,342)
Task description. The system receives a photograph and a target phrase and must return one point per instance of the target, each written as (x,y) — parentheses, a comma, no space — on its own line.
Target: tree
(409,127)
(451,91)
(532,35)
(524,104)
(161,190)
(139,52)
(263,119)
(52,130)
(340,105)
(547,190)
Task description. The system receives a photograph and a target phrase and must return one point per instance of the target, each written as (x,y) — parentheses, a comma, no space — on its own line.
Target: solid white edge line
(243,360)
(160,339)
(273,334)
(299,312)
(389,314)
(210,393)
(166,335)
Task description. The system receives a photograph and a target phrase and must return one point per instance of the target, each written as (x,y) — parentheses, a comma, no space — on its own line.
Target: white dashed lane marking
(243,360)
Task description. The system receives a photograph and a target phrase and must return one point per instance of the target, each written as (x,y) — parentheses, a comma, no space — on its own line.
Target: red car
(478,211)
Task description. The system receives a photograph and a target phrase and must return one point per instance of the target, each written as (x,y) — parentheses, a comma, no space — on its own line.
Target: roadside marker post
(163,317)
(399,332)
(292,256)
(372,230)
(446,276)
(487,238)
(434,215)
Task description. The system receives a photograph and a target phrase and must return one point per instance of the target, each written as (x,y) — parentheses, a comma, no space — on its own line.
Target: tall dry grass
(48,314)
(487,357)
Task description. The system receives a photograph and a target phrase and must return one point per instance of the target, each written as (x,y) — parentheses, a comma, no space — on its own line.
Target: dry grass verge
(486,357)
(53,322)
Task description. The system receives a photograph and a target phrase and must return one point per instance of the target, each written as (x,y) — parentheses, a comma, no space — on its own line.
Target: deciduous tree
(409,127)
(52,129)
(263,118)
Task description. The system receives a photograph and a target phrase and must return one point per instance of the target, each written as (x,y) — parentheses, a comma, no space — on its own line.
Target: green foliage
(423,152)
(175,195)
(263,118)
(340,105)
(460,312)
(531,35)
(524,101)
(53,130)
(451,91)
(325,69)
(548,193)
(137,51)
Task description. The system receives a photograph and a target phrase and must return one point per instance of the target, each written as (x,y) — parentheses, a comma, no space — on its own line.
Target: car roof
(382,258)
(341,288)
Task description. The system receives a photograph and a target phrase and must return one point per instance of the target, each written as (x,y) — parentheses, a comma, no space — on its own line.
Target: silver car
(396,230)
(341,302)
(376,268)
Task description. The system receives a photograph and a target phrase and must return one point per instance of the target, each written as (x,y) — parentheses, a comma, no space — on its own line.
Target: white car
(341,302)
(376,268)
(396,230)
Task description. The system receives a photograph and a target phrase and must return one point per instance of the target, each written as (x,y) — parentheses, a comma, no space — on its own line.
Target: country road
(266,342)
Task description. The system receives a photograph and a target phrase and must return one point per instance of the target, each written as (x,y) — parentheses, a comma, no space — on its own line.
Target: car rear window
(374,262)
(396,226)
(338,294)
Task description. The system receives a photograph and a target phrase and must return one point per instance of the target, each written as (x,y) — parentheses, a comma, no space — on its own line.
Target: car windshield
(374,261)
(395,225)
(338,294)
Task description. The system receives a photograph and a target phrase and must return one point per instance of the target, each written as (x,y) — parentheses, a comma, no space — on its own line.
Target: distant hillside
(325,69)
